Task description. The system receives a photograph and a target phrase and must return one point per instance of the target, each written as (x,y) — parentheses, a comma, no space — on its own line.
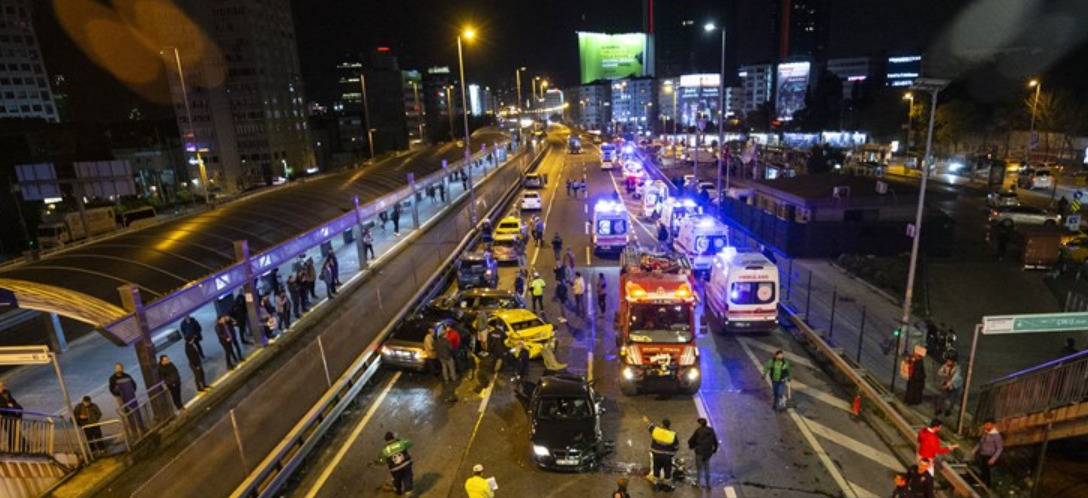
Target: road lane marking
(771,348)
(630,212)
(820,395)
(586,210)
(801,424)
(730,492)
(589,262)
(589,368)
(548,212)
(862,492)
(355,433)
(855,446)
(587,228)
(700,405)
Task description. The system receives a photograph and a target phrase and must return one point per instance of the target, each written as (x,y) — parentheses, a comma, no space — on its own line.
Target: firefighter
(663,447)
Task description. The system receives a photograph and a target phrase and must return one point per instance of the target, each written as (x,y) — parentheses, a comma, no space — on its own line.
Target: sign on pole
(1035,323)
(1072,222)
(24,355)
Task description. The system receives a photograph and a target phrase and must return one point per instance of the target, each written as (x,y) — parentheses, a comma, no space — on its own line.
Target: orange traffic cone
(856,406)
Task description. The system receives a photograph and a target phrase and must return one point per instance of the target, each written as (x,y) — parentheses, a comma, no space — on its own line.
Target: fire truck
(656,324)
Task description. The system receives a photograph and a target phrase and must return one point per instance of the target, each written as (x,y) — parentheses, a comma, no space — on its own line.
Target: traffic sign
(1035,323)
(1078,194)
(1072,222)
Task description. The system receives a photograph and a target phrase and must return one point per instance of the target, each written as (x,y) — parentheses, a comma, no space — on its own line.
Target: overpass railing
(1038,389)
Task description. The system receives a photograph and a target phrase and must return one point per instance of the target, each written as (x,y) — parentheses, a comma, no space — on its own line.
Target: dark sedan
(404,347)
(565,414)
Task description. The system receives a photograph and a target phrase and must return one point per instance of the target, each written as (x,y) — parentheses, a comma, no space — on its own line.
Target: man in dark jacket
(225,332)
(395,455)
(919,480)
(87,413)
(663,446)
(10,414)
(704,442)
(172,378)
(191,328)
(123,387)
(196,365)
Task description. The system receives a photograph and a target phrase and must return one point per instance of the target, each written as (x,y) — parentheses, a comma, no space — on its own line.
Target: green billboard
(610,57)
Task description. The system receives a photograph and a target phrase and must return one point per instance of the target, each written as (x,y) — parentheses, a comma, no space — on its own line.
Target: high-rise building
(591,105)
(246,102)
(802,27)
(414,110)
(553,101)
(756,83)
(24,82)
(438,99)
(633,103)
(853,72)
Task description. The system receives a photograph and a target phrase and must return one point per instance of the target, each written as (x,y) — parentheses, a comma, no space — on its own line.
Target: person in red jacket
(929,443)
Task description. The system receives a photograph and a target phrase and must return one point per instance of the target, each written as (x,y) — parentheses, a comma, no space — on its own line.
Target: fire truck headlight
(693,374)
(628,374)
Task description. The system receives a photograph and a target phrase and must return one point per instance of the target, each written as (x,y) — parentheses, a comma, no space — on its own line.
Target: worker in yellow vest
(663,446)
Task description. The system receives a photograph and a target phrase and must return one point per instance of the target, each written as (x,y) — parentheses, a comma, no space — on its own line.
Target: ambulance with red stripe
(655,324)
(742,293)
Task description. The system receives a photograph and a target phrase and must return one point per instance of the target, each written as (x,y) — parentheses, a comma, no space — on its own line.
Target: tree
(759,119)
(955,121)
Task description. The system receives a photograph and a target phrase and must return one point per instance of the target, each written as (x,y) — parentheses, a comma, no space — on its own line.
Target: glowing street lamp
(1034,103)
(468,34)
(910,118)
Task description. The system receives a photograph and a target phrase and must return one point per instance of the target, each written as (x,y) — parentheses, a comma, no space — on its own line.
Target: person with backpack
(778,368)
(395,455)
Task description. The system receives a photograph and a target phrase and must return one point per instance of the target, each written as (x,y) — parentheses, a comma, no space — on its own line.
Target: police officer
(395,455)
(663,446)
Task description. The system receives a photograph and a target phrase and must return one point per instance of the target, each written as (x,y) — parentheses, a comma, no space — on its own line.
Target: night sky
(1011,37)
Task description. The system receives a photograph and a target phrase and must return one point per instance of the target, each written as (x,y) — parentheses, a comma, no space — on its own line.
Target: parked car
(565,419)
(533,180)
(1002,198)
(1075,250)
(477,269)
(1022,215)
(530,201)
(505,247)
(1035,178)
(404,347)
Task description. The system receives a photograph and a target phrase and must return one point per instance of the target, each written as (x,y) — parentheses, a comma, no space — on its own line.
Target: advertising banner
(792,83)
(605,56)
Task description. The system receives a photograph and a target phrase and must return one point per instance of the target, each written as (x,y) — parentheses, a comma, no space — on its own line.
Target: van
(742,292)
(700,238)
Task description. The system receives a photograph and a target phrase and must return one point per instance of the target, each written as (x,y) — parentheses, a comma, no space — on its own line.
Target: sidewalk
(88,363)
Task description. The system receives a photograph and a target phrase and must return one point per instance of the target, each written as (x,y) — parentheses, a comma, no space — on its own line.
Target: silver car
(1022,215)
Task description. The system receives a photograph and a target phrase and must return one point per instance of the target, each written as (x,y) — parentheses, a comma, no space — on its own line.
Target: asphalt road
(814,449)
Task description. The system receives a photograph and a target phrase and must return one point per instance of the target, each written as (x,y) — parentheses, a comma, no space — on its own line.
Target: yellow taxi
(1075,250)
(510,225)
(522,325)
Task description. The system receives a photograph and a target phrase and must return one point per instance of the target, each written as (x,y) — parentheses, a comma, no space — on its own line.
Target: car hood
(557,434)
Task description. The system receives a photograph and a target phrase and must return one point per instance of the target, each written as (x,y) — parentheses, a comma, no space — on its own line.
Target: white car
(530,201)
(1022,215)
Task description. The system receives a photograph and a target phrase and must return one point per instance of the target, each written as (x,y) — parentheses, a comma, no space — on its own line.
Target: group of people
(949,386)
(918,480)
(575,186)
(664,444)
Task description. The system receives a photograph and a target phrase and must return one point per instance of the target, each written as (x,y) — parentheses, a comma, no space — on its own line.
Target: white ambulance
(610,227)
(700,238)
(654,195)
(742,294)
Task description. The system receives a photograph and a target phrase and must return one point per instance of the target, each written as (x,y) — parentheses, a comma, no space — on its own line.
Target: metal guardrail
(1036,390)
(272,473)
(27,433)
(144,417)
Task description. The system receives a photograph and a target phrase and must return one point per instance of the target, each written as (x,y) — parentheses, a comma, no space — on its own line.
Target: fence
(235,445)
(1045,387)
(32,433)
(146,415)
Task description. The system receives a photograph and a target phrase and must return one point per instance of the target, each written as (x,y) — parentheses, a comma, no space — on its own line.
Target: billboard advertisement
(791,85)
(698,96)
(610,57)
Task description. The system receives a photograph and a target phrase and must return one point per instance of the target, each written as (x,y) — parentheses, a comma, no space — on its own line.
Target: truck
(62,228)
(574,144)
(699,238)
(656,324)
(1038,246)
(742,292)
(611,225)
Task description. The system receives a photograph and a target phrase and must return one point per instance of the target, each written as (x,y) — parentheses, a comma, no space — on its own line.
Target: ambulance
(674,210)
(742,294)
(700,238)
(654,195)
(610,227)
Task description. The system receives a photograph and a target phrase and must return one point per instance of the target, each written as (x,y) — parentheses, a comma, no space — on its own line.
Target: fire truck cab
(656,324)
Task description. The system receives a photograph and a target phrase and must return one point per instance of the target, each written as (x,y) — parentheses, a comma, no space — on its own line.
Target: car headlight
(386,351)
(628,374)
(693,374)
(540,451)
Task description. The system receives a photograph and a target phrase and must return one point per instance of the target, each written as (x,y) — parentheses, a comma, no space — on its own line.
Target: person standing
(519,283)
(123,388)
(521,357)
(283,310)
(430,357)
(225,332)
(916,379)
(929,444)
(334,263)
(579,289)
(87,413)
(311,278)
(920,479)
(396,219)
(951,384)
(293,295)
(197,366)
(988,450)
(303,291)
(621,489)
(172,378)
(395,455)
(662,237)
(476,486)
(368,244)
(191,328)
(901,489)
(329,278)
(663,447)
(568,187)
(704,442)
(537,286)
(11,412)
(602,293)
(1063,207)
(568,259)
(444,351)
(778,368)
(557,246)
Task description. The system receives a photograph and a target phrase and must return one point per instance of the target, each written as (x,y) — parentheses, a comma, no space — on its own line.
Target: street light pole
(1031,135)
(449,108)
(192,131)
(910,117)
(721,124)
(468,33)
(366,115)
(517,75)
(933,86)
(419,110)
